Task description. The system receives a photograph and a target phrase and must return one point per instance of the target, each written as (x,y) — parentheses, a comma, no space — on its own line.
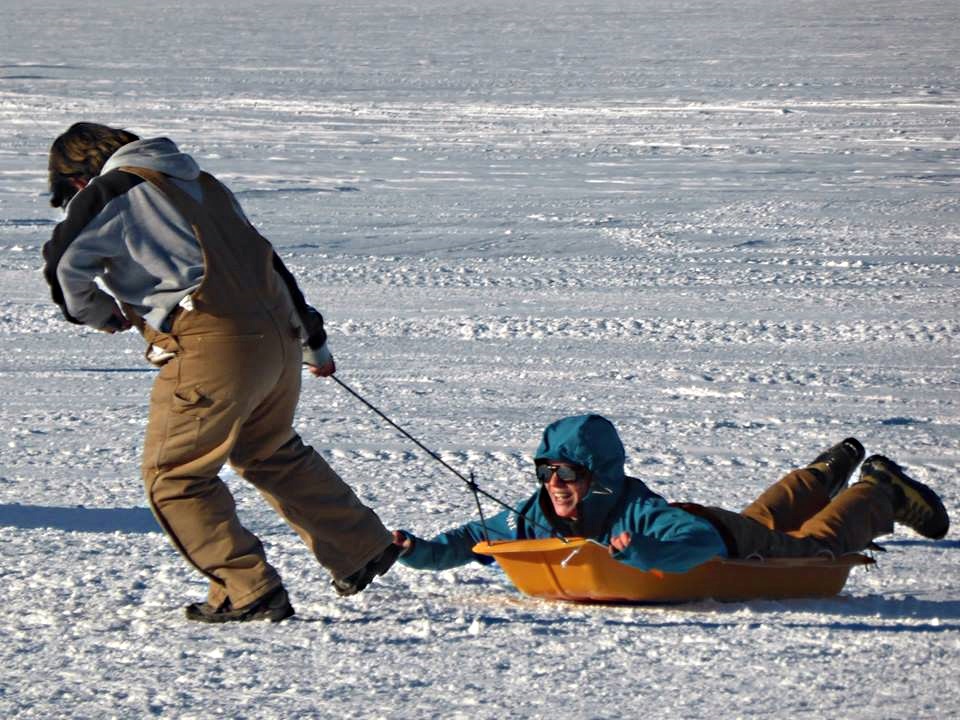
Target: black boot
(914,504)
(836,465)
(352,584)
(274,606)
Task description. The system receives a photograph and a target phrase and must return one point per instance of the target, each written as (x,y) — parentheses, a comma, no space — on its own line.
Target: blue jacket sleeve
(455,547)
(667,538)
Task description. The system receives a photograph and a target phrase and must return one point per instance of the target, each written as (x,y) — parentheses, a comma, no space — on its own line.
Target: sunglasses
(565,474)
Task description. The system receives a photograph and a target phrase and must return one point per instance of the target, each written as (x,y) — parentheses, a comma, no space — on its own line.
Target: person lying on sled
(584,493)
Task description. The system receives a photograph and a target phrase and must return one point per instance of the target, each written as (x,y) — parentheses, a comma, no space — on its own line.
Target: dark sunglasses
(565,474)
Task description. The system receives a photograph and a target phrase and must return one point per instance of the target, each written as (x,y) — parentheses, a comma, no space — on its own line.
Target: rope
(469,482)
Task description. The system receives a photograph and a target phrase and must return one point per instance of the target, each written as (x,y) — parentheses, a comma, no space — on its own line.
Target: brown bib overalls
(228,394)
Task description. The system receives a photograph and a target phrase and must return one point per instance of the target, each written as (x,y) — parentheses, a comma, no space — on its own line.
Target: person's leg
(785,505)
(753,539)
(197,408)
(343,533)
(863,512)
(859,514)
(801,494)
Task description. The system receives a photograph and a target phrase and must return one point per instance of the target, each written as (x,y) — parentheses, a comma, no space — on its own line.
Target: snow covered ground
(730,227)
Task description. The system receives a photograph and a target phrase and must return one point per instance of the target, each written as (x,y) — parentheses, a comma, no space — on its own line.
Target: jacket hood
(160,154)
(587,440)
(592,442)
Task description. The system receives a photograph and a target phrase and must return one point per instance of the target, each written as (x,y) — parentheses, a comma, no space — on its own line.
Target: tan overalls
(229,394)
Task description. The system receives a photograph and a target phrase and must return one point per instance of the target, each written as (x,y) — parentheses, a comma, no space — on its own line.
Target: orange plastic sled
(583,571)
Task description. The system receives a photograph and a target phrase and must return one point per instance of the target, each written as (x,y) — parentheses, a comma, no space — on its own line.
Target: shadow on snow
(78,519)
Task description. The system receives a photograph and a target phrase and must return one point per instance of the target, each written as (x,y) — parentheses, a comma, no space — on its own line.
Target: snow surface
(730,227)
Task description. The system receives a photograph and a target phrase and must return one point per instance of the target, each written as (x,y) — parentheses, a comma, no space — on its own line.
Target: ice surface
(730,227)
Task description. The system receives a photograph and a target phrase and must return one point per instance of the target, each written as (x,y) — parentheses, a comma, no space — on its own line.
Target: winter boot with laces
(914,504)
(274,606)
(352,584)
(836,465)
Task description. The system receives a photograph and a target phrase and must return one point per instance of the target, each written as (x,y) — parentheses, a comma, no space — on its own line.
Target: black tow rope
(471,483)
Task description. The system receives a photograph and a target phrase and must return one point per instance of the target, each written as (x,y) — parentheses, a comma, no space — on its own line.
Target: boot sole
(197,613)
(201,612)
(915,493)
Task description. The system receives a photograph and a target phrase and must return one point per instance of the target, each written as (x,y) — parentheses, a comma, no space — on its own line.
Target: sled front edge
(583,571)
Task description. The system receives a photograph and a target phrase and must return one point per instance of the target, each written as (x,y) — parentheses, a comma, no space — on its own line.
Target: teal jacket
(663,537)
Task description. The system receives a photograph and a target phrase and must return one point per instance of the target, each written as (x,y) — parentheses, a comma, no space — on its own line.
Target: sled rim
(582,570)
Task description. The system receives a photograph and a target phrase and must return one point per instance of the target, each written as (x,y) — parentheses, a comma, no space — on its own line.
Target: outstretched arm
(453,547)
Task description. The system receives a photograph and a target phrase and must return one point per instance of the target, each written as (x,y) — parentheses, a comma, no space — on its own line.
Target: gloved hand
(404,540)
(322,370)
(117,322)
(320,361)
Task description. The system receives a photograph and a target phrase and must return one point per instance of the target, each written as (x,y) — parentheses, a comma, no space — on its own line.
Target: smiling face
(564,496)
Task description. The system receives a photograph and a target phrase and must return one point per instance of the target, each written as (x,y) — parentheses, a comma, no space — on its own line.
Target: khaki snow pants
(795,517)
(229,395)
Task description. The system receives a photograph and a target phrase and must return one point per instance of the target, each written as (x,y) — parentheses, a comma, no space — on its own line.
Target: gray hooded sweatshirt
(137,244)
(153,259)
